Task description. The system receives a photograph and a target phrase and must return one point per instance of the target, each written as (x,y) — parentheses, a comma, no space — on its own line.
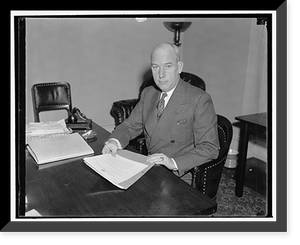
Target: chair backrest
(208,175)
(51,96)
(193,80)
(225,135)
(185,76)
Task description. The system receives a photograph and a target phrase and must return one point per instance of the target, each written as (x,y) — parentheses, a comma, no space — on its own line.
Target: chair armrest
(121,110)
(206,177)
(139,144)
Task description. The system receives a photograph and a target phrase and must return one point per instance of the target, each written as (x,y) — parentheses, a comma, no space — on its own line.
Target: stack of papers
(58,148)
(35,131)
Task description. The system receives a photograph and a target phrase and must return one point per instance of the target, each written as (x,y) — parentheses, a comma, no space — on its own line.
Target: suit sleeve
(206,141)
(130,127)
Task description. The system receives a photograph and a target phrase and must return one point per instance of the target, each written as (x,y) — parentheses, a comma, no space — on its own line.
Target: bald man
(178,119)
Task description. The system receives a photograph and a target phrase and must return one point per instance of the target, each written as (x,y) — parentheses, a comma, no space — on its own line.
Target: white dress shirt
(169,94)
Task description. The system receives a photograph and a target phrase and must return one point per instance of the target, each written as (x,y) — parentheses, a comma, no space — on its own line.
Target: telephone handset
(77,120)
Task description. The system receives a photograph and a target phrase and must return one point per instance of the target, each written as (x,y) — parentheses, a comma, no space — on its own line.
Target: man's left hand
(161,159)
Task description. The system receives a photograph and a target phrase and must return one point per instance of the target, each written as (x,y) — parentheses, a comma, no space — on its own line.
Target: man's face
(165,68)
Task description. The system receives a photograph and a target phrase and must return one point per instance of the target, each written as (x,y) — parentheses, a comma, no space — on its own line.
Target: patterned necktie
(161,105)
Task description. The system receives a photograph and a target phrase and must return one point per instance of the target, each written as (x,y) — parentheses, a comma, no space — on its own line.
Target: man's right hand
(110,148)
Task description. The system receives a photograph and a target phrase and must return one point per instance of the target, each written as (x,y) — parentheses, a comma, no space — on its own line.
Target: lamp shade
(177,27)
(180,26)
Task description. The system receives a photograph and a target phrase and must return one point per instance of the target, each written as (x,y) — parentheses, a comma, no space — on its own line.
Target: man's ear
(180,66)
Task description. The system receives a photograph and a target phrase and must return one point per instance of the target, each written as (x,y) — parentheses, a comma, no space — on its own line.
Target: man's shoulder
(151,89)
(194,95)
(192,89)
(149,92)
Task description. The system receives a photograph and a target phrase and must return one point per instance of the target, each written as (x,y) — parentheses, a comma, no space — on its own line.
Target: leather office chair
(121,109)
(51,96)
(206,177)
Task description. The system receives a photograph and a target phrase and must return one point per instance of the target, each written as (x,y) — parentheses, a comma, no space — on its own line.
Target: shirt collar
(169,93)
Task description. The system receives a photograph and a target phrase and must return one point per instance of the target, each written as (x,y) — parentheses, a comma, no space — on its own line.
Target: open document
(122,170)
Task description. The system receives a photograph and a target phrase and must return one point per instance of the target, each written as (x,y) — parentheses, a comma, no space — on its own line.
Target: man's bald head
(164,47)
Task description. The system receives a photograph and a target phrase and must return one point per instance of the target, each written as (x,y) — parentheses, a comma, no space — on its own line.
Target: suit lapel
(175,107)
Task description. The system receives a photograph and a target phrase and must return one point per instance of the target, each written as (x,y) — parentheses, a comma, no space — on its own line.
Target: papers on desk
(40,130)
(123,170)
(58,148)
(32,213)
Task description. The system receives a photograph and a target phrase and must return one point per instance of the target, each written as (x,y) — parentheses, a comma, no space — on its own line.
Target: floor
(255,175)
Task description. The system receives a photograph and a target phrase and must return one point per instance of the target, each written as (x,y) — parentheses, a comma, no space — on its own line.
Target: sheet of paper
(32,213)
(116,169)
(40,130)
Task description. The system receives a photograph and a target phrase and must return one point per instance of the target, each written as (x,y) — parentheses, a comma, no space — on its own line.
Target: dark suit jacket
(187,130)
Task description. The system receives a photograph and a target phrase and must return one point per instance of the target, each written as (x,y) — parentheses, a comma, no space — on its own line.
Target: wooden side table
(254,124)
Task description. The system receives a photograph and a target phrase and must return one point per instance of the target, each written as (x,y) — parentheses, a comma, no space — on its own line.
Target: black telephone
(78,121)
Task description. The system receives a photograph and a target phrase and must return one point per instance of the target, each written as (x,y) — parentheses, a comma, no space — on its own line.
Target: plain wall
(103,59)
(106,59)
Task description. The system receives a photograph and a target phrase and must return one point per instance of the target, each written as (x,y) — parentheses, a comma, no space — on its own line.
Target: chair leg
(141,148)
(36,117)
(193,183)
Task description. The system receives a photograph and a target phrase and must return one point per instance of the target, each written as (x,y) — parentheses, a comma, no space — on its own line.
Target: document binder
(58,148)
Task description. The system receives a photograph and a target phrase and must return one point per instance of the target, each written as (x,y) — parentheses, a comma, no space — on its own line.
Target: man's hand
(110,148)
(162,159)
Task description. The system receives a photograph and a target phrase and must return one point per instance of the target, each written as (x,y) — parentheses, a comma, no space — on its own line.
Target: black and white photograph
(133,118)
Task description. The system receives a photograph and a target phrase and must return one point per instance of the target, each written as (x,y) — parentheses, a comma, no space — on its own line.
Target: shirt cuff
(176,168)
(118,143)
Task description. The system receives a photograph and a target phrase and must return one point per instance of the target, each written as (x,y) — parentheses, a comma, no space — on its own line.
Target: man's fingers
(155,158)
(110,149)
(113,153)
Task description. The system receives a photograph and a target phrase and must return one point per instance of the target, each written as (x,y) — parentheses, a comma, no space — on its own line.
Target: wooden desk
(254,124)
(72,189)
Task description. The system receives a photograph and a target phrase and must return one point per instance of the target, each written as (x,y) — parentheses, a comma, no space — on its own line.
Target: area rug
(251,204)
